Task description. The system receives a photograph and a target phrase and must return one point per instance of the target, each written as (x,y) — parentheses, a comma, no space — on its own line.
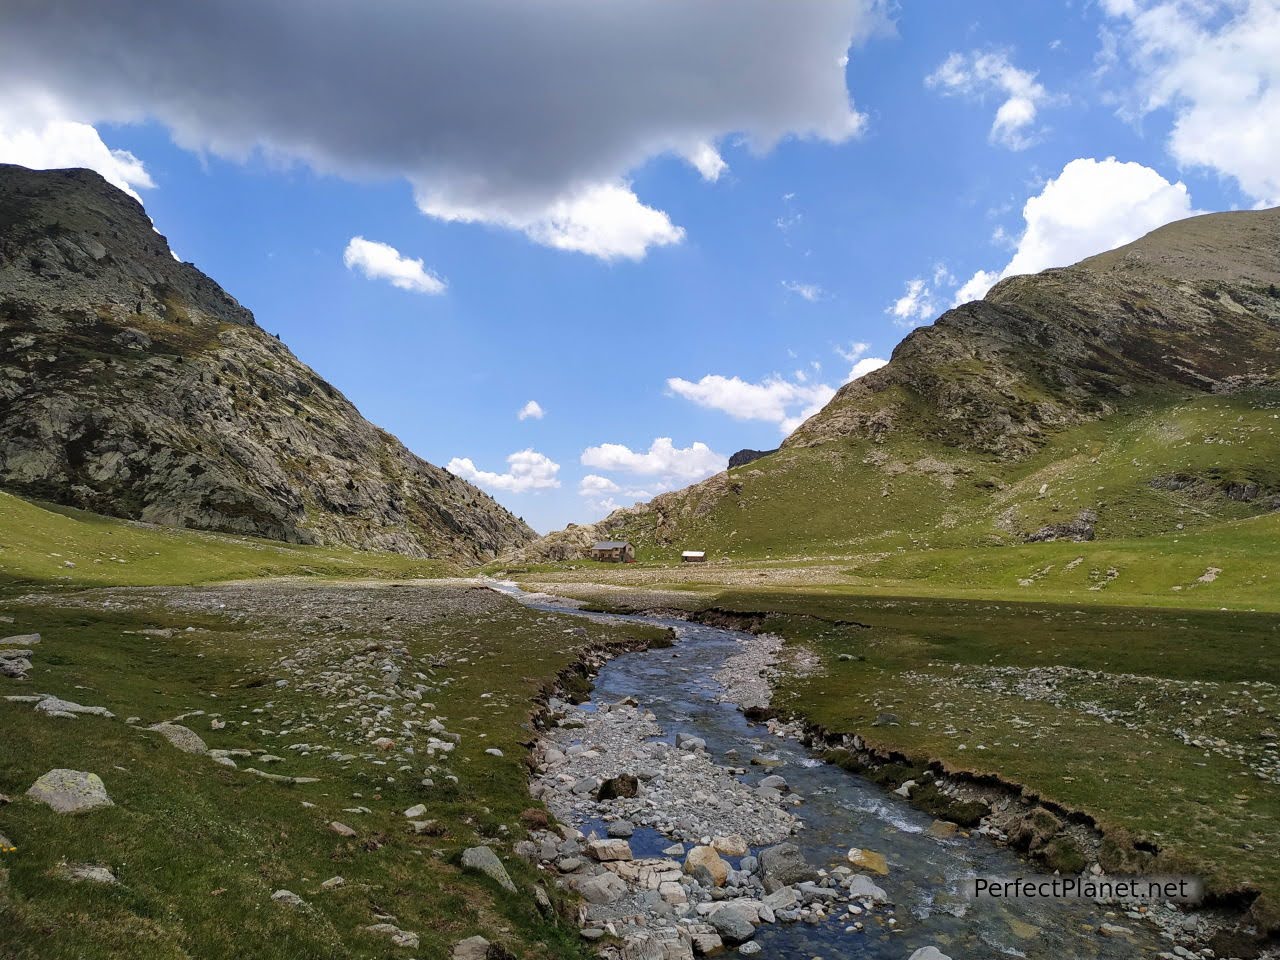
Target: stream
(927,876)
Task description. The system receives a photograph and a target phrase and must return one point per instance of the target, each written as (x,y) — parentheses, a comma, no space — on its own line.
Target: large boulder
(782,865)
(184,738)
(483,860)
(472,948)
(708,859)
(624,786)
(70,791)
(734,923)
(602,888)
(609,850)
(928,953)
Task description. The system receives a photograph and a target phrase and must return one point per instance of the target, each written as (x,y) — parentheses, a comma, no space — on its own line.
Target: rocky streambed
(689,830)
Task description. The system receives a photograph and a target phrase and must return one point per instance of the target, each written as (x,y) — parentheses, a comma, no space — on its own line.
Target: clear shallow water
(927,876)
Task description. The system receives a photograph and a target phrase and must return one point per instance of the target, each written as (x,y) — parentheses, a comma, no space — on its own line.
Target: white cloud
(1090,207)
(594,485)
(531,411)
(663,459)
(976,74)
(605,220)
(527,470)
(916,303)
(38,138)
(707,161)
(976,287)
(777,400)
(381,261)
(807,291)
(528,116)
(854,352)
(1215,64)
(866,365)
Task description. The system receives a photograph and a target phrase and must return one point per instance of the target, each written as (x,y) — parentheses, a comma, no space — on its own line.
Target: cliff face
(133,385)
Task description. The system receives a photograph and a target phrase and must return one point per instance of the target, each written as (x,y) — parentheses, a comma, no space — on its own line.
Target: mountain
(133,385)
(1133,393)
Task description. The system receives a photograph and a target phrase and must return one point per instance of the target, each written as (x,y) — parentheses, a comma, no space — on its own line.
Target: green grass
(857,497)
(199,849)
(61,545)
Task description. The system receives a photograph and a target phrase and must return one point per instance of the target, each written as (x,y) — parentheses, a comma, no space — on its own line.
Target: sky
(580,252)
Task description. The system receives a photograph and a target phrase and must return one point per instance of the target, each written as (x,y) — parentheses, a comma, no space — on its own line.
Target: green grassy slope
(1155,467)
(60,545)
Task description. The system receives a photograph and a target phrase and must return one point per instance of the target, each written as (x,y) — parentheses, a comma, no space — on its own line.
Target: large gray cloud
(529,114)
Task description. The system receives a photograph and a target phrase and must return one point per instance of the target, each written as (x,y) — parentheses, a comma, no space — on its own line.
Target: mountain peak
(134,385)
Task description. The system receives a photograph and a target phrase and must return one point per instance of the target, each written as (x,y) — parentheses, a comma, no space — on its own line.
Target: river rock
(864,888)
(731,846)
(624,786)
(184,738)
(869,860)
(609,850)
(602,889)
(750,948)
(708,859)
(484,860)
(621,829)
(687,741)
(782,865)
(942,829)
(774,782)
(928,953)
(70,791)
(733,922)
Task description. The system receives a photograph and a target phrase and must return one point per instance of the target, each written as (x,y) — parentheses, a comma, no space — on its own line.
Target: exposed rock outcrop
(133,385)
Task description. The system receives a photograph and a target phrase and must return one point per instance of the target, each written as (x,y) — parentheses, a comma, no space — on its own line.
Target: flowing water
(927,877)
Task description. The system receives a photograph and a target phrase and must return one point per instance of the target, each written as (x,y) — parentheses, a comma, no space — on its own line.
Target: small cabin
(693,556)
(613,551)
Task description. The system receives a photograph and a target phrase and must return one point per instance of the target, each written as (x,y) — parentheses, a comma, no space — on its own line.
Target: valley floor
(1161,725)
(321,714)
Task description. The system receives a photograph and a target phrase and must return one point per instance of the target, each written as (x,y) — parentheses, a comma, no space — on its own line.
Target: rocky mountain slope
(1132,393)
(133,385)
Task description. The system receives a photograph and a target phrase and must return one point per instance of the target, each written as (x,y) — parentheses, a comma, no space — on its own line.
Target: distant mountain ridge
(133,385)
(976,431)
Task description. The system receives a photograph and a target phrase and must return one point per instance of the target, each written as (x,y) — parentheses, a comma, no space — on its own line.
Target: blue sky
(709,303)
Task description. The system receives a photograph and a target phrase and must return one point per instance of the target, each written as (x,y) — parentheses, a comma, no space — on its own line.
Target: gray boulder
(733,923)
(782,865)
(184,738)
(57,707)
(928,953)
(70,791)
(483,860)
(603,888)
(862,888)
(21,640)
(472,948)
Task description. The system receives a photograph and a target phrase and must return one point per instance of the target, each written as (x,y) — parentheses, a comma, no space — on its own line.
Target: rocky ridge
(131,384)
(1192,309)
